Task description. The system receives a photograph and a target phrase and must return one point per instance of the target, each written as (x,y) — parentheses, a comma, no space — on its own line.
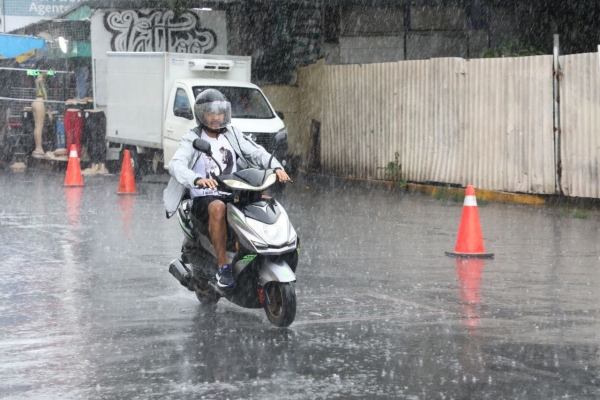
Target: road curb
(487,195)
(435,190)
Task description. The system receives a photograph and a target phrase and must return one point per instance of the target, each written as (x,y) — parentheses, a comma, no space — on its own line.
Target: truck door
(179,119)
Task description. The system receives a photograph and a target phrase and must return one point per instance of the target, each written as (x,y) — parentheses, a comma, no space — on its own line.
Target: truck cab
(251,112)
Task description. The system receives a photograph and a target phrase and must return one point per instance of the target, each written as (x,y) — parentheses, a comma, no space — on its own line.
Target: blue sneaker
(225,276)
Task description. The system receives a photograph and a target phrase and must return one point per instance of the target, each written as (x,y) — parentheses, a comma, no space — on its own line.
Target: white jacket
(249,154)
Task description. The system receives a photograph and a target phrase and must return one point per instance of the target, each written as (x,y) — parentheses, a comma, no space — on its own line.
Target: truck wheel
(113,166)
(138,161)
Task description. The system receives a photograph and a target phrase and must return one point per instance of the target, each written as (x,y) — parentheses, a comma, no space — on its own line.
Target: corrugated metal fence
(486,122)
(580,124)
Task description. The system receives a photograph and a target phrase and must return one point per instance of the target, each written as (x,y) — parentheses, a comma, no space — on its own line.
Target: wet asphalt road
(88,309)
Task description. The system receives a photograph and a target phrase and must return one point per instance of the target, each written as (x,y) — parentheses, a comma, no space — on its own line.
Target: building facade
(16,14)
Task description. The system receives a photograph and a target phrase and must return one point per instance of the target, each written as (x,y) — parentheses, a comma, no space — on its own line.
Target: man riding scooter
(193,170)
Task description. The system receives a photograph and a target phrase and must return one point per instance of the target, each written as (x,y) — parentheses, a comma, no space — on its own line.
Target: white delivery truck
(150,102)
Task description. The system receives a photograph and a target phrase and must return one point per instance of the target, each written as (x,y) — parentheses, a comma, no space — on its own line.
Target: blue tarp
(12,46)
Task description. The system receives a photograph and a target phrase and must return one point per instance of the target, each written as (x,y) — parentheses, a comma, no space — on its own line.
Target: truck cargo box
(139,83)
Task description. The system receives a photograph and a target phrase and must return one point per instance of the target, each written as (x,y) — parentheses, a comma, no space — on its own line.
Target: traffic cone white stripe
(470,201)
(73,153)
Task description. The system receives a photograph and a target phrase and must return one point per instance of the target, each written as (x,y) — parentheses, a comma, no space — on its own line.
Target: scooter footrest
(218,289)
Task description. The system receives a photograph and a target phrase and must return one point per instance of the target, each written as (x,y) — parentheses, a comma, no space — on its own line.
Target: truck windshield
(245,102)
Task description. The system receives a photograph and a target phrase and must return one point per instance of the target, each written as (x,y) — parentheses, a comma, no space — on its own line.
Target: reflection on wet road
(88,309)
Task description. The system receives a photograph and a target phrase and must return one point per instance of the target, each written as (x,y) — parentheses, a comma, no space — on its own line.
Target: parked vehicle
(262,246)
(150,98)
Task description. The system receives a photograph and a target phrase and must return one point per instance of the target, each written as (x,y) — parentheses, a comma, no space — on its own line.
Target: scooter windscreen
(251,179)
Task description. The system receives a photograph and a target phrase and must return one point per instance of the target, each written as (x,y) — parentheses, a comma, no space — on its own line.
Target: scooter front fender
(271,271)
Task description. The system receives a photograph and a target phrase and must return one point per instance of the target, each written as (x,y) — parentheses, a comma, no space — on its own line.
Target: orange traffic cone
(73,195)
(73,177)
(127,180)
(126,205)
(469,273)
(469,242)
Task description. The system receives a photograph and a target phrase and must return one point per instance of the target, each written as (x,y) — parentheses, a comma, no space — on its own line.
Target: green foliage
(393,170)
(448,194)
(454,195)
(512,48)
(575,213)
(580,214)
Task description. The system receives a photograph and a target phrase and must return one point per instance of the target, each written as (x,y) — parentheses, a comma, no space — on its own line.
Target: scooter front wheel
(281,310)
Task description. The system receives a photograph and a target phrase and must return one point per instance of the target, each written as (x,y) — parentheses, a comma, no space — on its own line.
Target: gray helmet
(210,102)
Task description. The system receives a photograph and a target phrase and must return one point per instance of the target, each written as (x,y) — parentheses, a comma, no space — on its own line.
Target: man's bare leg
(217,228)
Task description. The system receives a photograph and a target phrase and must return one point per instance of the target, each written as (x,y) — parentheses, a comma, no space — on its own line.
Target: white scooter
(262,246)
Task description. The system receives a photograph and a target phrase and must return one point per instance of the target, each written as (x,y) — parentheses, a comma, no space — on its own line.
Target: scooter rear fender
(271,271)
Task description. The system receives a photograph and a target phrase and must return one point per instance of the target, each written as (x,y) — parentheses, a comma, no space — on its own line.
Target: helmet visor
(214,115)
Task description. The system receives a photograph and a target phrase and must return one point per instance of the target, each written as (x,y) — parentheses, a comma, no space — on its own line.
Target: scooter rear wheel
(207,297)
(281,311)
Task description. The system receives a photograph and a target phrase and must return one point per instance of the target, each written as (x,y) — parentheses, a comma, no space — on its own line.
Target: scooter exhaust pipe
(180,272)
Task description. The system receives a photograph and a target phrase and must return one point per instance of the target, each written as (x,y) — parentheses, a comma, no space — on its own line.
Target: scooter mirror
(279,139)
(203,146)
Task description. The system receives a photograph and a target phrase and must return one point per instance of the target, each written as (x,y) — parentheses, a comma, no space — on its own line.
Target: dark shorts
(200,206)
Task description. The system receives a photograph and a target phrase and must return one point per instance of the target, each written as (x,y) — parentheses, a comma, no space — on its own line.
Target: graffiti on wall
(158,30)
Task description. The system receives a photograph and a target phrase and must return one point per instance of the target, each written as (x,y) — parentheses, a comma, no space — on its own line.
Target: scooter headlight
(275,234)
(272,232)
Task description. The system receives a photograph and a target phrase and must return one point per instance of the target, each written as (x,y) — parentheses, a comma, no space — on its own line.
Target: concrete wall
(387,34)
(503,25)
(479,41)
(423,45)
(372,49)
(373,21)
(368,35)
(438,18)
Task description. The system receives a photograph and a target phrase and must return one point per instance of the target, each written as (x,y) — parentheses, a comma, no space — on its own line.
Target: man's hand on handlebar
(282,176)
(206,183)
